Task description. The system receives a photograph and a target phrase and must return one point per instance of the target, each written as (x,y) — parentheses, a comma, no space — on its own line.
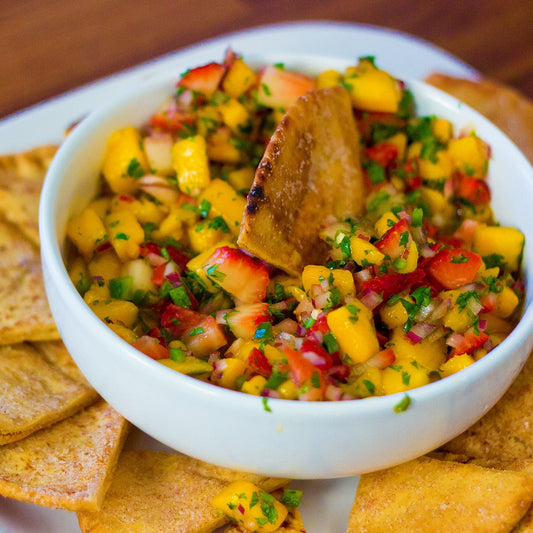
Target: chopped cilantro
(403,404)
(177,354)
(494,260)
(135,170)
(417,216)
(196,331)
(266,407)
(370,386)
(276,379)
(218,223)
(264,331)
(377,200)
(330,342)
(376,172)
(459,259)
(422,298)
(291,497)
(180,296)
(122,236)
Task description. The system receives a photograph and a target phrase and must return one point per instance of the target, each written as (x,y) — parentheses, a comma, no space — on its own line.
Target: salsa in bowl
(415,288)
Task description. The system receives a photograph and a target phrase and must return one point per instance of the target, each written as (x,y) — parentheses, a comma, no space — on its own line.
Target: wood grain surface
(48,47)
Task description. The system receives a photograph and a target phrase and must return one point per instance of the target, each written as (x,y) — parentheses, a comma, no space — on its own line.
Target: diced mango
(442,129)
(429,354)
(231,370)
(437,168)
(272,353)
(101,206)
(328,78)
(403,376)
(385,222)
(245,504)
(235,116)
(409,263)
(242,178)
(495,324)
(123,332)
(144,209)
(354,330)
(373,89)
(221,147)
(86,231)
(254,386)
(192,366)
(457,318)
(106,265)
(454,364)
(342,279)
(364,253)
(124,162)
(500,240)
(125,234)
(369,383)
(97,292)
(225,202)
(394,316)
(506,302)
(202,237)
(239,78)
(400,141)
(436,201)
(118,311)
(189,159)
(469,155)
(288,390)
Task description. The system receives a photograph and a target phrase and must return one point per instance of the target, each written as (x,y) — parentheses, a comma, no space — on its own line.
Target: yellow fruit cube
(436,169)
(500,240)
(373,89)
(228,371)
(225,202)
(410,262)
(506,302)
(202,237)
(369,383)
(430,354)
(189,159)
(342,279)
(235,116)
(365,253)
(245,504)
(395,315)
(400,141)
(106,265)
(97,292)
(403,376)
(442,129)
(118,311)
(469,155)
(86,231)
(454,364)
(125,234)
(123,332)
(241,179)
(239,78)
(124,161)
(254,386)
(354,330)
(328,78)
(196,263)
(436,201)
(192,366)
(101,206)
(288,390)
(221,148)
(385,222)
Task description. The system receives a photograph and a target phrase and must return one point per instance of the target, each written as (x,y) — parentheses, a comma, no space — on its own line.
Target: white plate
(326,503)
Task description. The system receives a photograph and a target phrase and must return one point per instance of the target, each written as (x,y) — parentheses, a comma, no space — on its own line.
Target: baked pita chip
(24,311)
(21,180)
(510,110)
(68,465)
(427,495)
(292,524)
(158,491)
(526,524)
(310,170)
(503,438)
(35,393)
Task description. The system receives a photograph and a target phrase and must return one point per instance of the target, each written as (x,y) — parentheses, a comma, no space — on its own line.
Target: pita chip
(68,465)
(310,170)
(510,110)
(427,495)
(24,311)
(35,393)
(503,438)
(21,180)
(158,491)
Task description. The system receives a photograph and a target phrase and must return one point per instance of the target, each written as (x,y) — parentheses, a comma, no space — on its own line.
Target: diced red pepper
(383,153)
(453,268)
(472,341)
(259,363)
(151,347)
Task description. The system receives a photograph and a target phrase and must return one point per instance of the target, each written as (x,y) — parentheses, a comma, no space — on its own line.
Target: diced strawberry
(306,375)
(205,338)
(321,324)
(172,120)
(204,79)
(259,364)
(390,284)
(367,122)
(244,319)
(244,277)
(453,268)
(395,242)
(151,347)
(158,277)
(178,319)
(466,230)
(280,88)
(471,342)
(474,190)
(383,154)
(314,353)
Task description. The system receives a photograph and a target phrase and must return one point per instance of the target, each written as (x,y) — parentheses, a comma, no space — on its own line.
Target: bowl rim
(52,258)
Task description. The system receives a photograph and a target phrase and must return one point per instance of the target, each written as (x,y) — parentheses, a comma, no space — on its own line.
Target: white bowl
(290,438)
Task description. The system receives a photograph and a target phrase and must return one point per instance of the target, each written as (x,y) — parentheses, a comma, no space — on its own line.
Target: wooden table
(50,47)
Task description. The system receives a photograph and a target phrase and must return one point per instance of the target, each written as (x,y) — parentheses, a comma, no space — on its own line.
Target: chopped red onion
(333,393)
(371,299)
(455,340)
